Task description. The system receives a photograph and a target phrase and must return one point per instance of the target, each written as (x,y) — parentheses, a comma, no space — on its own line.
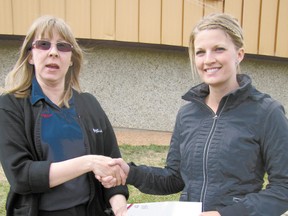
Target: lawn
(3,191)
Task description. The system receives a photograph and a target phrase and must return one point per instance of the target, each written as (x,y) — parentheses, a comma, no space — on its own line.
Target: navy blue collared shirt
(61,139)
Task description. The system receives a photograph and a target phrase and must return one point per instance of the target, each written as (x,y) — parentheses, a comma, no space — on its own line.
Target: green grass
(152,155)
(3,192)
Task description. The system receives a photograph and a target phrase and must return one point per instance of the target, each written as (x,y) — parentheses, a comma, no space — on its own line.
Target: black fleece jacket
(22,157)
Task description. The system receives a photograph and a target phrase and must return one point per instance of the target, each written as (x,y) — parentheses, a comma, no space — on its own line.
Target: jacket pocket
(21,211)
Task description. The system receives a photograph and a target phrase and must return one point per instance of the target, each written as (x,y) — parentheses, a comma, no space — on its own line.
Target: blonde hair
(226,23)
(19,79)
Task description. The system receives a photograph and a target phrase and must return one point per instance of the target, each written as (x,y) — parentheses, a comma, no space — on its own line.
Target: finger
(109,184)
(118,175)
(123,177)
(107,179)
(115,161)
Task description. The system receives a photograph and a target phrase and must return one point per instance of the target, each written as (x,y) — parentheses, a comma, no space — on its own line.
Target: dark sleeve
(273,200)
(102,142)
(112,150)
(156,180)
(24,173)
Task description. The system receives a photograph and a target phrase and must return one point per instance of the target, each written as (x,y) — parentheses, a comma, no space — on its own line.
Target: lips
(53,66)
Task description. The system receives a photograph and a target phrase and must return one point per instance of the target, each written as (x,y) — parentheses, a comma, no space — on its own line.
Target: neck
(213,101)
(216,94)
(54,93)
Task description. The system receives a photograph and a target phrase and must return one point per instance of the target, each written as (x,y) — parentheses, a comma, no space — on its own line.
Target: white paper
(170,208)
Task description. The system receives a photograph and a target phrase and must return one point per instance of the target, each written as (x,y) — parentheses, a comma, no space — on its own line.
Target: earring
(71,64)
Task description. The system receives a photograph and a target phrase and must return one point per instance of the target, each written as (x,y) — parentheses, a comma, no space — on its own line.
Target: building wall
(140,86)
(166,22)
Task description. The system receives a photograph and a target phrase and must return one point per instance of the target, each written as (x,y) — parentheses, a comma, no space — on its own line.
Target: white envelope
(169,208)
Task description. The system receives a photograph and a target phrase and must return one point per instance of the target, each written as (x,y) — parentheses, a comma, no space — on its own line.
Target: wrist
(88,163)
(118,201)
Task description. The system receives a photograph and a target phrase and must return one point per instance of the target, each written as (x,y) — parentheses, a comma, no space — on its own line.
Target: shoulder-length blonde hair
(19,79)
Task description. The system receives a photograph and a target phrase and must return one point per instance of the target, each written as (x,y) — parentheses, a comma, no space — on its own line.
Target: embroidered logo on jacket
(96,130)
(46,115)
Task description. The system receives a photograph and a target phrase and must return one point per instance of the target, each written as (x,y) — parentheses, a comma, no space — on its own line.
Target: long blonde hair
(19,80)
(222,21)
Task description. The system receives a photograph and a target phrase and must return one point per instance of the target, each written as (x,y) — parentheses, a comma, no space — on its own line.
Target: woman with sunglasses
(56,141)
(226,137)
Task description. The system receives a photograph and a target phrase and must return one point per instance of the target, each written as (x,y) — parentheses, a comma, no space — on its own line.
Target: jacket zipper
(205,161)
(206,151)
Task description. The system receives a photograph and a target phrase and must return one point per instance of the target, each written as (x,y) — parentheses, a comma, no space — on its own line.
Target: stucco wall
(141,86)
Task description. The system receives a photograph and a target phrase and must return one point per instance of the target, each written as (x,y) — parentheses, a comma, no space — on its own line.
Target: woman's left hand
(210,213)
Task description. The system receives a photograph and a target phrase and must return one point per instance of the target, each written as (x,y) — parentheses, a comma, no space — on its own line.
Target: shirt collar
(37,94)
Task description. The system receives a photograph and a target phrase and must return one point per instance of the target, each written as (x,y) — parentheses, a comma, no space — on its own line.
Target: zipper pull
(215,116)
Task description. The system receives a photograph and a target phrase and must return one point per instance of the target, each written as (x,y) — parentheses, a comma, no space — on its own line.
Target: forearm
(154,180)
(119,204)
(64,171)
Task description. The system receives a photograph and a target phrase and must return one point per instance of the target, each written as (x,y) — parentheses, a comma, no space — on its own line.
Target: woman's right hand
(109,181)
(106,170)
(64,171)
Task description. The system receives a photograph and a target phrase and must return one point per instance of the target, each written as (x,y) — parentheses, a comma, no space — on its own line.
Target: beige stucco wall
(141,86)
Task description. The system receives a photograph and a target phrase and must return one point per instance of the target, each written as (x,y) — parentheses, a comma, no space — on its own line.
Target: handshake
(111,172)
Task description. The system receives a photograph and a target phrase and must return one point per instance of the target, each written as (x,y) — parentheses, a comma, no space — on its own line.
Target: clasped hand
(112,172)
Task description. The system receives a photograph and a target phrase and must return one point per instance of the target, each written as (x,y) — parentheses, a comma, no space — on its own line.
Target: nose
(209,58)
(53,50)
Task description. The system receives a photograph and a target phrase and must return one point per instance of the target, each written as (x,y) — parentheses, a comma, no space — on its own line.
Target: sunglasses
(46,45)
